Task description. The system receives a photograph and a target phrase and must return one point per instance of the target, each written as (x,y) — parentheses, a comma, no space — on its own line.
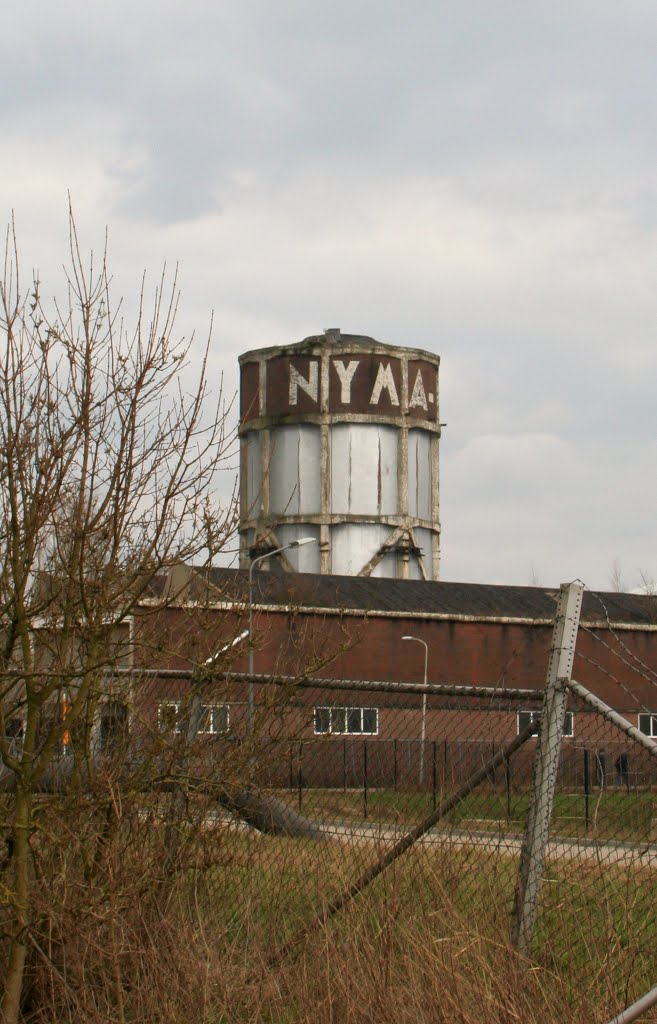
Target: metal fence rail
(261,832)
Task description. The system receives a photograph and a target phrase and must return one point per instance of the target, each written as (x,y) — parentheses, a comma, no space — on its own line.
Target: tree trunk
(11,997)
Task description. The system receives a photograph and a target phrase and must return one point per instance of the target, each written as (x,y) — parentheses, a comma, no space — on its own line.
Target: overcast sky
(474,178)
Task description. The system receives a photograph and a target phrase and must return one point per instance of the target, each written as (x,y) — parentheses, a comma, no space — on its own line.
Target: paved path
(637,854)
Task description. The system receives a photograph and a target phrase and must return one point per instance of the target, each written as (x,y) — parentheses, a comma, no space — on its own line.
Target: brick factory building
(339,515)
(351,628)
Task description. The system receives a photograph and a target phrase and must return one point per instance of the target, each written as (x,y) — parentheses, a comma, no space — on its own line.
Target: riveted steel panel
(305,558)
(419,474)
(348,447)
(294,470)
(353,544)
(364,469)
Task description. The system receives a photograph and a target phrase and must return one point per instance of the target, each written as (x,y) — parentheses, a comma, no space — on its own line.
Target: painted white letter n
(310,386)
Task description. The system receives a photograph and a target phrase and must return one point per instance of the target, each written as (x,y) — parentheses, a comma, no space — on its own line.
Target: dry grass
(405,953)
(117,940)
(365,971)
(412,976)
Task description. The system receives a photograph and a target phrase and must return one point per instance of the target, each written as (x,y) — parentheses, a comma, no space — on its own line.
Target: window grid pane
(351,721)
(322,720)
(354,720)
(648,724)
(525,717)
(169,717)
(339,720)
(370,720)
(205,721)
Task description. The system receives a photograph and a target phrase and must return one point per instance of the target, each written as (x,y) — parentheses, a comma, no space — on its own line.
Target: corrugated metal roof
(344,339)
(476,600)
(332,338)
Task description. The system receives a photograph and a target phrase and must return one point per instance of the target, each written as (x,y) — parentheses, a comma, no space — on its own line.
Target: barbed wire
(605,671)
(621,643)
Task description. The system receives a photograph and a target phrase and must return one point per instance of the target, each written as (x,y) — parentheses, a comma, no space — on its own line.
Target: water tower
(339,441)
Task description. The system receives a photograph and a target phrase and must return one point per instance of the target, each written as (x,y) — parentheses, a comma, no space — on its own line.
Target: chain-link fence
(338,812)
(445,812)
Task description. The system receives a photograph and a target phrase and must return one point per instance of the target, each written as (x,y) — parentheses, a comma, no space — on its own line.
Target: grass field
(596,934)
(610,814)
(427,942)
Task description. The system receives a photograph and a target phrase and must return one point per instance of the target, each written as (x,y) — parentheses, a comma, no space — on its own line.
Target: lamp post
(222,650)
(195,705)
(261,558)
(423,727)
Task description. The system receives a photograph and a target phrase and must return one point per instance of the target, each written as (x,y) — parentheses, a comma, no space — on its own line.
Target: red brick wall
(353,647)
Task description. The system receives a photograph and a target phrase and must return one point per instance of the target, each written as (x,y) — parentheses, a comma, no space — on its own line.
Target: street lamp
(261,558)
(423,727)
(195,706)
(222,650)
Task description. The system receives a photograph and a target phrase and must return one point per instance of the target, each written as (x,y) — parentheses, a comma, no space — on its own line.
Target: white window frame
(534,716)
(215,712)
(335,728)
(651,723)
(175,704)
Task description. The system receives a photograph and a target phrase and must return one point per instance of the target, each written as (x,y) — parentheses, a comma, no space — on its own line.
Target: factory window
(648,724)
(346,721)
(113,725)
(215,718)
(525,717)
(168,716)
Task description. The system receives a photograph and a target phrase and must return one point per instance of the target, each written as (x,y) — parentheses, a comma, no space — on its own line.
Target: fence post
(546,762)
(507,782)
(433,776)
(587,788)
(394,765)
(365,779)
(300,777)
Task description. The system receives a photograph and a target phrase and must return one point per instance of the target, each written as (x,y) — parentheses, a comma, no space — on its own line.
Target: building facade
(334,648)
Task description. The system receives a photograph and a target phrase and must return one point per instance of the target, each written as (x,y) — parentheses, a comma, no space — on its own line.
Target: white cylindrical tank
(339,441)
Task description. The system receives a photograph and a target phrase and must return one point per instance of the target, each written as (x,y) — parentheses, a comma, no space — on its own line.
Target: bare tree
(648,582)
(108,473)
(618,583)
(616,580)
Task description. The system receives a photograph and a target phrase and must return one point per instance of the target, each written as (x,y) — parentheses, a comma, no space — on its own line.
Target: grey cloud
(471,178)
(568,510)
(437,88)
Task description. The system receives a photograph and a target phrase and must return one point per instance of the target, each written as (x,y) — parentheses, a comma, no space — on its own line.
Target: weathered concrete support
(532,857)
